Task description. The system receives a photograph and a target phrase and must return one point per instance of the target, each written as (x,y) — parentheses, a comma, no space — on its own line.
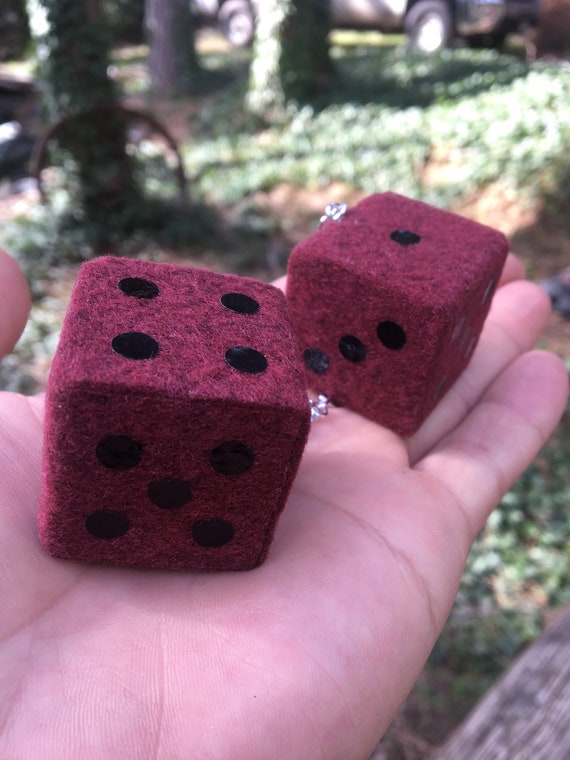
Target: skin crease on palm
(307,657)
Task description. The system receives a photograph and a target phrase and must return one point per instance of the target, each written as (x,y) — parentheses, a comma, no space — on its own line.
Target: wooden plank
(526,715)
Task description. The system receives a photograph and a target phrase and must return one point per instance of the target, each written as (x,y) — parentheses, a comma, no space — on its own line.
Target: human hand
(308,656)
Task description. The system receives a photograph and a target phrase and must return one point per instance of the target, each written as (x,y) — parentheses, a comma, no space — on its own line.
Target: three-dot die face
(176,418)
(388,302)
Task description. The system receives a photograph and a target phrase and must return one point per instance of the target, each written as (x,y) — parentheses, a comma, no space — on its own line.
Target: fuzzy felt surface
(388,304)
(176,417)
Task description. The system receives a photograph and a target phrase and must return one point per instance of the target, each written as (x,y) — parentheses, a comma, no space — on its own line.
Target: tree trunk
(93,10)
(104,197)
(77,57)
(162,56)
(173,63)
(291,54)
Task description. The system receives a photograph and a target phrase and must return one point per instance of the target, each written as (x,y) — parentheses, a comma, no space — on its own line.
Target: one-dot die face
(176,418)
(388,303)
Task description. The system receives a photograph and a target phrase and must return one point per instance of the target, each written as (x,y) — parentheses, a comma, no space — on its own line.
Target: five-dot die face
(389,301)
(176,418)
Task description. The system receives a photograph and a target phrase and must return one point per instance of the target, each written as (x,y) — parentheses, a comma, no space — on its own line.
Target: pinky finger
(513,270)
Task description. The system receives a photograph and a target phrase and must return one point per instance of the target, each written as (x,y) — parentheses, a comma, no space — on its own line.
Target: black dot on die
(405,237)
(316,360)
(119,452)
(169,493)
(107,523)
(135,345)
(232,458)
(246,359)
(212,532)
(138,288)
(240,303)
(352,348)
(391,335)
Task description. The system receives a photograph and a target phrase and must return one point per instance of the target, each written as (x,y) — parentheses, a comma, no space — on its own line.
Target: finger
(280,283)
(513,270)
(518,316)
(14,302)
(481,459)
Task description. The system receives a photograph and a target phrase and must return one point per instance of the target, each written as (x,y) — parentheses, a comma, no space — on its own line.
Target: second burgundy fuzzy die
(388,302)
(176,416)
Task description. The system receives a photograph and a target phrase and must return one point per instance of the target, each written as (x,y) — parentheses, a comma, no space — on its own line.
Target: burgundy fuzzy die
(389,302)
(176,417)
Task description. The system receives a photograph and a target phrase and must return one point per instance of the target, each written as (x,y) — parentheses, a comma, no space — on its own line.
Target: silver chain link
(319,407)
(334,211)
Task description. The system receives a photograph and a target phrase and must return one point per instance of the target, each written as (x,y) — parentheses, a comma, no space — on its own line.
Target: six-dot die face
(176,418)
(389,301)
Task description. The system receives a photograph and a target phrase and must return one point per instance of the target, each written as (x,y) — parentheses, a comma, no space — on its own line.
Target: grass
(438,128)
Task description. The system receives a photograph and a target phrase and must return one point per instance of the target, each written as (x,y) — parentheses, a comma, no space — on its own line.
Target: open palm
(308,656)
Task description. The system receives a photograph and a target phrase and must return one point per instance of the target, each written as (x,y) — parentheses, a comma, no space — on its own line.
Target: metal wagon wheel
(152,152)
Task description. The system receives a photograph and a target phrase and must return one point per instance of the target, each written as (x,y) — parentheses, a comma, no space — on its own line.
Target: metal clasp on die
(334,211)
(319,407)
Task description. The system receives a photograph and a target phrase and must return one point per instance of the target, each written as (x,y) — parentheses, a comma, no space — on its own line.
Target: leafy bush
(522,558)
(483,117)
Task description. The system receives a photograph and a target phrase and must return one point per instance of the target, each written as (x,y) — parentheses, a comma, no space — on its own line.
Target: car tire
(429,25)
(236,22)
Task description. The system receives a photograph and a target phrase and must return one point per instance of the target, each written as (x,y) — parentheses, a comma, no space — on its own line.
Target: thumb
(14,302)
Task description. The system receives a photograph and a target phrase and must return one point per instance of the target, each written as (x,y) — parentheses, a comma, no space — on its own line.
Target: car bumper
(480,16)
(492,16)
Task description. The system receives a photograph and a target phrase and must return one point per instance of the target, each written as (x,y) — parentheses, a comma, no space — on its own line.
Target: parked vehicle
(428,24)
(234,18)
